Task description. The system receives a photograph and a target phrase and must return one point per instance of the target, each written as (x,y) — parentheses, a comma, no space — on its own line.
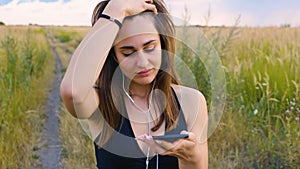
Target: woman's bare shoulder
(187,92)
(192,102)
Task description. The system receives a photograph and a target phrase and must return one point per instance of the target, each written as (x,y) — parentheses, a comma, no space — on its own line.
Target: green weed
(25,77)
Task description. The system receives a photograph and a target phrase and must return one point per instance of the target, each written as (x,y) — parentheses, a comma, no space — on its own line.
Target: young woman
(122,80)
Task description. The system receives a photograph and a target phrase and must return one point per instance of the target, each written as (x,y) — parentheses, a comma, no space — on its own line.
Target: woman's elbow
(79,109)
(67,98)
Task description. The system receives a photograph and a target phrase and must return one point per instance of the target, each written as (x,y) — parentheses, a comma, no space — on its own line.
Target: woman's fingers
(152,143)
(178,148)
(149,1)
(191,136)
(181,146)
(158,146)
(151,7)
(137,6)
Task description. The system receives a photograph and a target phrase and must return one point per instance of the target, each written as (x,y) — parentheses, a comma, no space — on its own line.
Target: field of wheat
(260,125)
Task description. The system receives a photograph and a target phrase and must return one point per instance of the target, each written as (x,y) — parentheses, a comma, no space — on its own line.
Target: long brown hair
(109,93)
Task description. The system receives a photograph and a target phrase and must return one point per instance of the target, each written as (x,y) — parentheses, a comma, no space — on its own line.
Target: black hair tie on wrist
(111,19)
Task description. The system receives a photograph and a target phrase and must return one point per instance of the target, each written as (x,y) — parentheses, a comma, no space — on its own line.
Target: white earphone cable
(147,112)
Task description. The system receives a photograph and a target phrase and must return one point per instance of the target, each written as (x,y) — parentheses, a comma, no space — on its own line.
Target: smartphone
(172,137)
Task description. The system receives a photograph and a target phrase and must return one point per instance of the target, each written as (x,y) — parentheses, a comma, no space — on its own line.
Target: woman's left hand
(185,149)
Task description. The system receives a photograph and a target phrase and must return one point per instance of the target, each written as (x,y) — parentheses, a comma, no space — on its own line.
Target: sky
(221,12)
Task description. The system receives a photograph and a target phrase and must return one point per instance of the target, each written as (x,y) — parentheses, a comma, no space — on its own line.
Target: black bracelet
(111,19)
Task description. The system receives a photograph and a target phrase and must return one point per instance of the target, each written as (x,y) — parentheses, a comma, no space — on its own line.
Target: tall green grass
(260,127)
(25,78)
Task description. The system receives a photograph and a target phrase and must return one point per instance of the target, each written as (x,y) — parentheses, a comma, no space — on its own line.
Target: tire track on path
(51,147)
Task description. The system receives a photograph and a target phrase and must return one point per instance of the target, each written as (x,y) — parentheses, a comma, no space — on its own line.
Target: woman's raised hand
(122,8)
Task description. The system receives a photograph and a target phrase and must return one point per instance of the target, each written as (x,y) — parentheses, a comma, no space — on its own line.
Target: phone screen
(172,137)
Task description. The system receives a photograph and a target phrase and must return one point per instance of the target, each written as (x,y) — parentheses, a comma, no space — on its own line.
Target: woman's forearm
(89,60)
(84,68)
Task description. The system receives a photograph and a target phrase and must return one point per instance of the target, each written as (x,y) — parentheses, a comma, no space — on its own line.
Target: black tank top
(123,152)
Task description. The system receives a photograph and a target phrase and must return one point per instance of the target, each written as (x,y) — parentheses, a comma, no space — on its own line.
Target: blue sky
(4,2)
(223,12)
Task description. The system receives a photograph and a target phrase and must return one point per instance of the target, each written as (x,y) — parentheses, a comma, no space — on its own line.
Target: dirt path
(51,148)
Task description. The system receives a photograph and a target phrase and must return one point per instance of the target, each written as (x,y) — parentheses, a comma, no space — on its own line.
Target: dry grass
(78,146)
(260,126)
(24,82)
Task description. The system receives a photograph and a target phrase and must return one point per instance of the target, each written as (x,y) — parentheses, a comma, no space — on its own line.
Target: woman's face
(138,50)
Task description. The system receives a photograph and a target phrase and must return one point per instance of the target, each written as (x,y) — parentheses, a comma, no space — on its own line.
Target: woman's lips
(145,72)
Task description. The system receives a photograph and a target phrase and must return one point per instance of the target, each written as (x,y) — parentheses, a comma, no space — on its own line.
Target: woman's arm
(192,152)
(198,155)
(76,88)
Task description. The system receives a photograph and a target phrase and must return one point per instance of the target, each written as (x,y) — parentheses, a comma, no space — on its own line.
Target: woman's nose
(142,59)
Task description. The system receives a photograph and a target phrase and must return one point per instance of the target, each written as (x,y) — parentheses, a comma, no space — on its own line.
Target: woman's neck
(141,91)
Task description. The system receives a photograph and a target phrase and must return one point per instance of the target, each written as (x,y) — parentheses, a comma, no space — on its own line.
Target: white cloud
(226,12)
(198,10)
(177,8)
(78,12)
(75,12)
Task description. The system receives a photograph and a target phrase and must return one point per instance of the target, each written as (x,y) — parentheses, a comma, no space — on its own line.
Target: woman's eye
(149,48)
(128,53)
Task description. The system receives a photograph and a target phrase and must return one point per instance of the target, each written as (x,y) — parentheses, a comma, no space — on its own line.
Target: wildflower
(255,111)
(292,103)
(297,118)
(264,84)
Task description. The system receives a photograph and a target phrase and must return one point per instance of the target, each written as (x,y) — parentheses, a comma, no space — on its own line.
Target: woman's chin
(143,80)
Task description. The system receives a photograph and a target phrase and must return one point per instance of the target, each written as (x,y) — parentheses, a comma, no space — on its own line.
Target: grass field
(24,80)
(260,126)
